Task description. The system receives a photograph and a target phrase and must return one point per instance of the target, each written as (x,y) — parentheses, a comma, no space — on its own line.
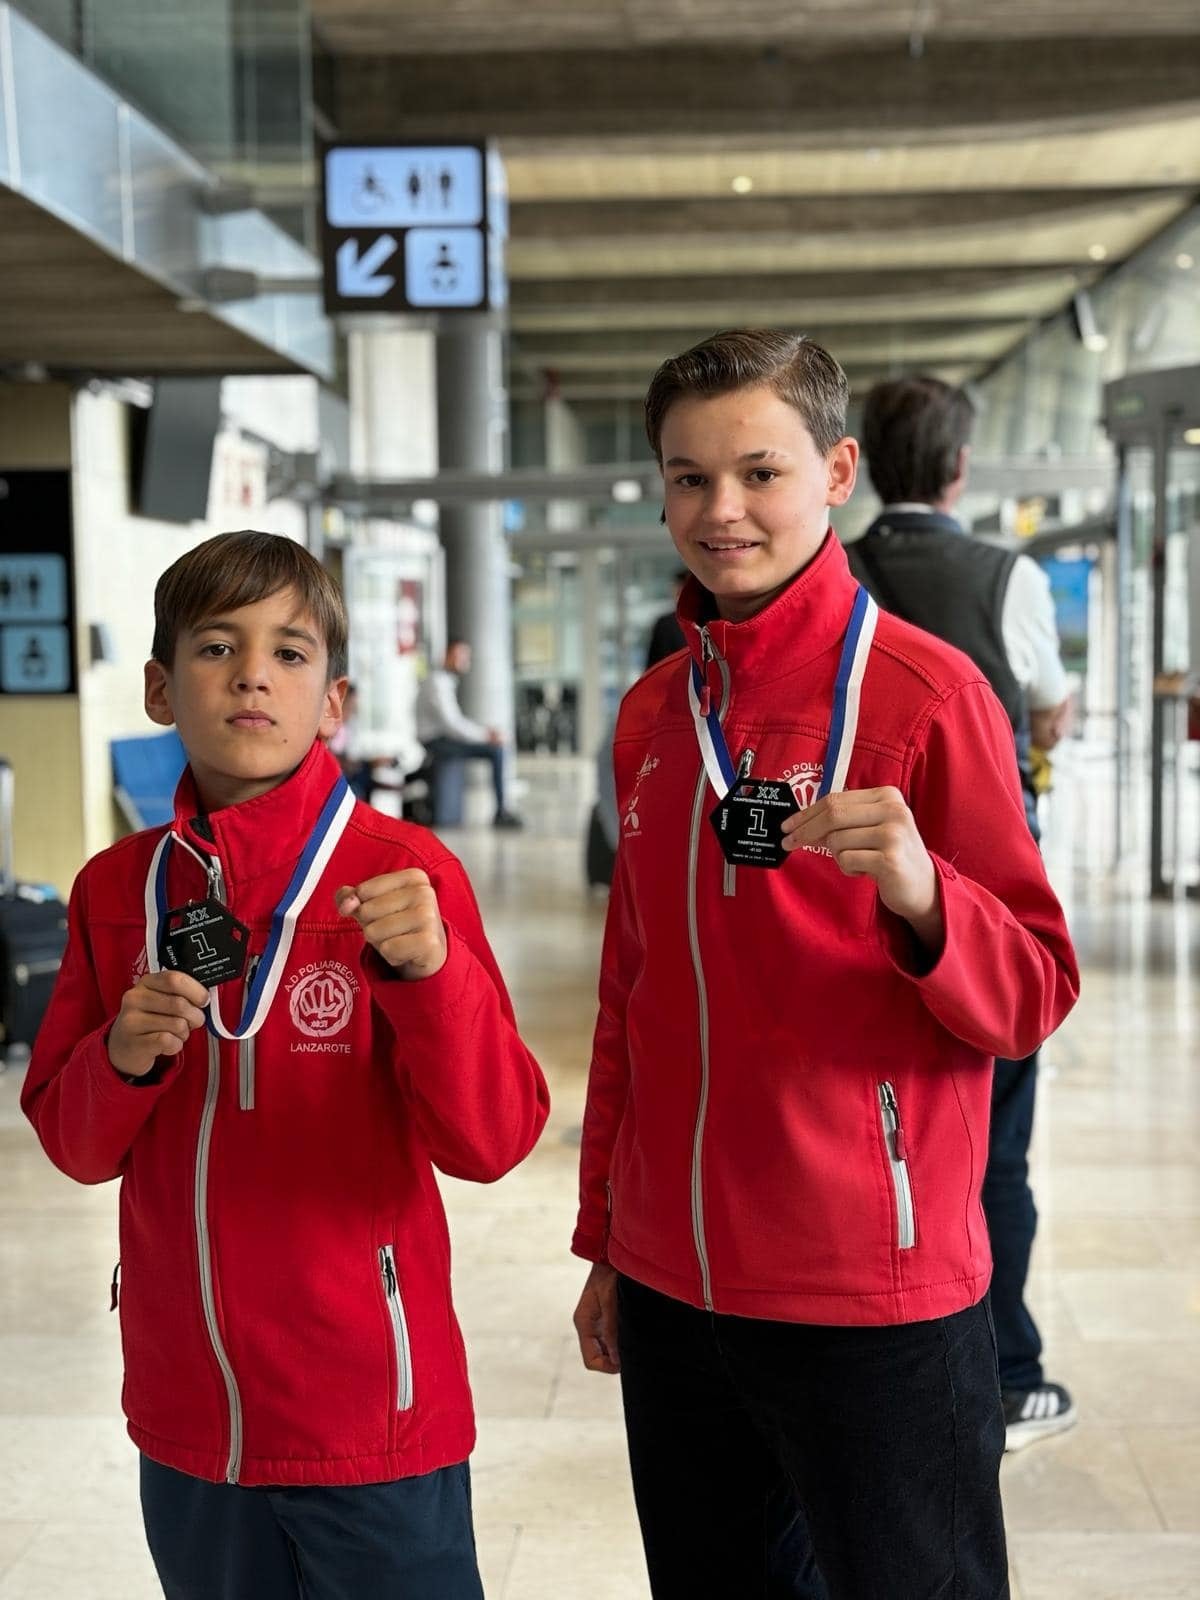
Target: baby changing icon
(444,267)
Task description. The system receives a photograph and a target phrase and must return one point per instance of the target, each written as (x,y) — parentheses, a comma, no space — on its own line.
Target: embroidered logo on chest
(631,820)
(321,998)
(804,779)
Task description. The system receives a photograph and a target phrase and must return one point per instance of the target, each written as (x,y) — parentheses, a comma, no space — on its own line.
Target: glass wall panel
(229,79)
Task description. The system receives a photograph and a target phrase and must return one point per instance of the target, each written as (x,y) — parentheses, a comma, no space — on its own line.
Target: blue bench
(146,770)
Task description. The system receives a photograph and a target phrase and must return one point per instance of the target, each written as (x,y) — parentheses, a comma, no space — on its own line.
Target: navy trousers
(407,1540)
(782,1461)
(1012,1221)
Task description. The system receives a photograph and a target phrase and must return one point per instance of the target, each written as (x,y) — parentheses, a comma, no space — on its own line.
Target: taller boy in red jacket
(274,1018)
(827,918)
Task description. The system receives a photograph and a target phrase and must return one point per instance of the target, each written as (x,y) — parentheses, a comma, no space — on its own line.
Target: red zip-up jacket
(285,1267)
(787,1112)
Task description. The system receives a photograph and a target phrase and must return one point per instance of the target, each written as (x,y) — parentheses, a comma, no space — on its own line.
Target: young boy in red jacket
(274,1018)
(827,917)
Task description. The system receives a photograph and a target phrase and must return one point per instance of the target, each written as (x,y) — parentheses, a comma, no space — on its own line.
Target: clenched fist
(157,1018)
(400,919)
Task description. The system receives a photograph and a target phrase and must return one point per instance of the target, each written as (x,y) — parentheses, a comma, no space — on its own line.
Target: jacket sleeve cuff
(114,1086)
(901,945)
(426,999)
(590,1246)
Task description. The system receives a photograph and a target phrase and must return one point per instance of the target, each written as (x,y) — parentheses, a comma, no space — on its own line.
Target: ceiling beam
(544,349)
(747,287)
(851,88)
(575,220)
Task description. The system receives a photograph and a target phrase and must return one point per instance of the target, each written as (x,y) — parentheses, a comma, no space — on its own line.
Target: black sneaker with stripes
(1033,1414)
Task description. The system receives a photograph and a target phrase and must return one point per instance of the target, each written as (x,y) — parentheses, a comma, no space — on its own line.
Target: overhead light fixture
(627,491)
(1191,436)
(1184,261)
(1097,252)
(742,184)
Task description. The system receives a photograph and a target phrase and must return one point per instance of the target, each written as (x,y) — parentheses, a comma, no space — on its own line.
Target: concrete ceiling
(921,182)
(69,305)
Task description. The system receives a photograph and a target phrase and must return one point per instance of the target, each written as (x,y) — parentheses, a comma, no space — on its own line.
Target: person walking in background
(995,605)
(447,732)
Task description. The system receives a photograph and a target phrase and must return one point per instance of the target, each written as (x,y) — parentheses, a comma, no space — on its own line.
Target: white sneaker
(1033,1414)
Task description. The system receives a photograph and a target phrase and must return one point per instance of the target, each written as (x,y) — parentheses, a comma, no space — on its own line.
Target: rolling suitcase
(33,936)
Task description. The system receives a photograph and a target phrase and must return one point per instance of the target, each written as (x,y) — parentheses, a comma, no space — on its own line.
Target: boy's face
(746,493)
(248,693)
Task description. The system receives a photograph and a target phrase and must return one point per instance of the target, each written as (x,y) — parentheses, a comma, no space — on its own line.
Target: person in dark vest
(995,605)
(667,636)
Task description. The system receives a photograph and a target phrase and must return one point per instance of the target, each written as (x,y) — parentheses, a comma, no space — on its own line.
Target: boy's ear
(841,467)
(157,696)
(331,712)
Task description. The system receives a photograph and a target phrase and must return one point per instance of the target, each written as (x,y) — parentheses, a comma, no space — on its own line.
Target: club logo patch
(805,781)
(321,998)
(632,821)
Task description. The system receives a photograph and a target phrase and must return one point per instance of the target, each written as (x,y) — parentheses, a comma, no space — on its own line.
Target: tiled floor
(1110,1511)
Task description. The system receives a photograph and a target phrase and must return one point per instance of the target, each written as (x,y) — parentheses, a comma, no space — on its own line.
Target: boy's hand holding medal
(872,833)
(399,915)
(157,1018)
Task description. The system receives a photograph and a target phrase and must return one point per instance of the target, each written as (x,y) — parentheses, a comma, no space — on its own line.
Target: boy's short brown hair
(239,569)
(794,367)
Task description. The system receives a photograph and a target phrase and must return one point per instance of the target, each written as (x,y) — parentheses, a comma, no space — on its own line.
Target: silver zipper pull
(706,645)
(892,1107)
(745,763)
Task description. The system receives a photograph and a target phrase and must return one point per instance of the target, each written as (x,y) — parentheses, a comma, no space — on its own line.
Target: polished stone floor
(1110,1511)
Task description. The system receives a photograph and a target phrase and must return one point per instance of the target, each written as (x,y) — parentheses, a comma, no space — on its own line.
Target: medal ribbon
(843,722)
(261,989)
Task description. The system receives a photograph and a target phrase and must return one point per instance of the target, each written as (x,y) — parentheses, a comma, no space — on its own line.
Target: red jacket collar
(808,618)
(257,836)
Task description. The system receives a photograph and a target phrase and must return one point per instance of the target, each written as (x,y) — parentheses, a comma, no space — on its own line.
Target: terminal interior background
(1005,197)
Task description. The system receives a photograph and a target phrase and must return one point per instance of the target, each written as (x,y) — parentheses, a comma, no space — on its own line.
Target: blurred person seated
(448,734)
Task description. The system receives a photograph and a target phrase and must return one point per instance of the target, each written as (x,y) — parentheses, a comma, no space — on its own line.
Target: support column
(591,710)
(393,434)
(472,411)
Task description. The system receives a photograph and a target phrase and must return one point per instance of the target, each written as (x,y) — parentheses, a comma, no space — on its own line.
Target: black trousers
(794,1462)
(1012,1221)
(407,1540)
(461,750)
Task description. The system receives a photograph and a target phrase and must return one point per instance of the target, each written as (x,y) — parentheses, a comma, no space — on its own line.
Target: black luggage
(599,856)
(33,936)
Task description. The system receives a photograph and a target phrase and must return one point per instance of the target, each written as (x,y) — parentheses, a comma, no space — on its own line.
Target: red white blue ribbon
(843,723)
(262,987)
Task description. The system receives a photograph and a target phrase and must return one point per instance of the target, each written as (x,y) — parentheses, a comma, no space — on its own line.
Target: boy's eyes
(693,480)
(217,649)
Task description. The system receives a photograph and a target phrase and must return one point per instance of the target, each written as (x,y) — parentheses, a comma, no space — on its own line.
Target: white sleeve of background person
(439,715)
(1031,636)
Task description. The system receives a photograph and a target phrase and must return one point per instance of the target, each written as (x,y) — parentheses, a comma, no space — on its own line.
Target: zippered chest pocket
(897,1154)
(403,1396)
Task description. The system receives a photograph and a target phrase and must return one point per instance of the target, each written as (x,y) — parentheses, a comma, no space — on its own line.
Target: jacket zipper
(743,771)
(707,654)
(246,1054)
(897,1154)
(395,1305)
(233,1464)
